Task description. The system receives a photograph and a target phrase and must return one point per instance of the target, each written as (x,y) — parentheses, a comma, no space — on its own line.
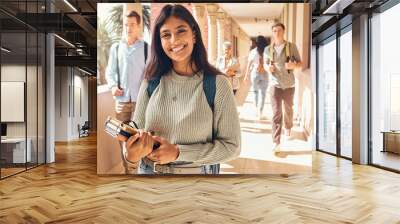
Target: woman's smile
(178,48)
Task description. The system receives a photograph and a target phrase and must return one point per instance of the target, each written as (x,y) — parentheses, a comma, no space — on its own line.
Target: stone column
(228,28)
(291,23)
(221,32)
(212,32)
(199,15)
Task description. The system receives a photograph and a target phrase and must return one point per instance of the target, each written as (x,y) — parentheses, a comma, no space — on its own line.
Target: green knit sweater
(178,111)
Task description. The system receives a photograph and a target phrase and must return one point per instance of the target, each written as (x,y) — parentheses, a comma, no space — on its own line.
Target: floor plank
(70,191)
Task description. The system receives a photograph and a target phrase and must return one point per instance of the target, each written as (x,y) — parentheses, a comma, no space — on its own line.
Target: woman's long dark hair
(261,43)
(253,43)
(160,64)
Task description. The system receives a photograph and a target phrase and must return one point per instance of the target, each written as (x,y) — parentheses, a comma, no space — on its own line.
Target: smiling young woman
(177,40)
(192,133)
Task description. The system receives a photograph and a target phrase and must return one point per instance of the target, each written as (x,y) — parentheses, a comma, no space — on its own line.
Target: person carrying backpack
(281,58)
(125,70)
(259,76)
(185,104)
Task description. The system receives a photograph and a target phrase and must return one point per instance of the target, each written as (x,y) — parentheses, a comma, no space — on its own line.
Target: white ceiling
(254,18)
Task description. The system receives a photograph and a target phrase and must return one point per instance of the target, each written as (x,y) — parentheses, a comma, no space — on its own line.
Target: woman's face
(177,39)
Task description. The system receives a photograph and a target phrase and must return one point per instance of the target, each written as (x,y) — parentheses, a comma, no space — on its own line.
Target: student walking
(259,76)
(281,58)
(125,70)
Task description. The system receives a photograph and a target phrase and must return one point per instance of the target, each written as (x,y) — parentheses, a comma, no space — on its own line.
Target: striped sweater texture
(178,111)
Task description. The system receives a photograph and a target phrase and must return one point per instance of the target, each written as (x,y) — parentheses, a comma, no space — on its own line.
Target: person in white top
(230,66)
(259,76)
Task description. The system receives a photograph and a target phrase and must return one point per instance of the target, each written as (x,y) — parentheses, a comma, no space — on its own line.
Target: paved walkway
(256,156)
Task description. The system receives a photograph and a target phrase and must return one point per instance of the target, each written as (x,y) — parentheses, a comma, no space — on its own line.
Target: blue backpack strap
(153,83)
(209,87)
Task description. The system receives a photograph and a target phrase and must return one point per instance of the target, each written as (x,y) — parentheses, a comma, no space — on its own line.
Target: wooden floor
(387,159)
(10,171)
(70,191)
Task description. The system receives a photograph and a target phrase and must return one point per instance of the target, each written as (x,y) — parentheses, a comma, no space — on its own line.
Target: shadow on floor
(295,135)
(284,154)
(256,130)
(254,166)
(255,121)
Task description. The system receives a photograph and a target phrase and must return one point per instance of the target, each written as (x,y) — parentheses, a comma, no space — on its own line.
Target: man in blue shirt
(125,68)
(125,72)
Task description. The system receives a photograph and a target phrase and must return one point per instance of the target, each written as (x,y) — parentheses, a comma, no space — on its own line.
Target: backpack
(287,52)
(118,75)
(288,56)
(260,68)
(209,88)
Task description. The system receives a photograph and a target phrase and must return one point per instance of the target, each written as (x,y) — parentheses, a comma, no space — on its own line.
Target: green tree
(146,16)
(104,43)
(113,22)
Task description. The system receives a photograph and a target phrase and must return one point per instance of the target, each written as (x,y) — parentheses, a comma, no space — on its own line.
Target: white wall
(34,124)
(61,103)
(71,94)
(296,18)
(14,73)
(80,100)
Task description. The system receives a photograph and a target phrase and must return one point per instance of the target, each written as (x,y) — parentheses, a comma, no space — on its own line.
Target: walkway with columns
(217,27)
(212,10)
(256,156)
